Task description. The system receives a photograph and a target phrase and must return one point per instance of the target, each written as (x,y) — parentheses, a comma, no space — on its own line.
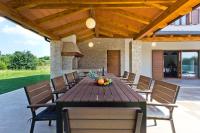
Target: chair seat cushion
(155,112)
(47,114)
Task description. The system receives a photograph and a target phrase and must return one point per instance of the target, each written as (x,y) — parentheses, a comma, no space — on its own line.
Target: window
(192,18)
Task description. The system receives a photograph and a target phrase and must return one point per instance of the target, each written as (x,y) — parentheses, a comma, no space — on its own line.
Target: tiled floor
(14,115)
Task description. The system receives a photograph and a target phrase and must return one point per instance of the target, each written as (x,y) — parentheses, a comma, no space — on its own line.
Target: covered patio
(186,115)
(112,37)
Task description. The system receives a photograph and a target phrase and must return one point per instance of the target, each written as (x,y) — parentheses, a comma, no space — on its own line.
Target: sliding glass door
(189,64)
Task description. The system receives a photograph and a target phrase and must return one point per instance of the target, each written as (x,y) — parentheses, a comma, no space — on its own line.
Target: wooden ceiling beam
(171,39)
(72,31)
(113,30)
(59,15)
(116,29)
(89,3)
(127,27)
(86,35)
(16,17)
(106,33)
(68,25)
(83,32)
(93,15)
(77,6)
(131,16)
(158,6)
(167,16)
(85,39)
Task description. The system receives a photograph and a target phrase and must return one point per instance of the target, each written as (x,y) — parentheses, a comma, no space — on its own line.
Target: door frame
(198,63)
(152,73)
(119,60)
(180,61)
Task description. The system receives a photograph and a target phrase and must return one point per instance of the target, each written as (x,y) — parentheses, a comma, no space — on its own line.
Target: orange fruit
(100,81)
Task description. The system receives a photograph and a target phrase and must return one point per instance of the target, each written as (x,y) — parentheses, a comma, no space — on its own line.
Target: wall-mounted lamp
(91,44)
(153,44)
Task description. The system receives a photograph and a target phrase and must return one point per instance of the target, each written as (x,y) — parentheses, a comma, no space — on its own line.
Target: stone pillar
(56,58)
(136,57)
(126,61)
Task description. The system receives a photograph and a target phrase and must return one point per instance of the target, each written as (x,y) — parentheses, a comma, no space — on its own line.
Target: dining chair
(70,80)
(59,85)
(76,77)
(143,86)
(163,95)
(130,80)
(39,95)
(102,120)
(125,75)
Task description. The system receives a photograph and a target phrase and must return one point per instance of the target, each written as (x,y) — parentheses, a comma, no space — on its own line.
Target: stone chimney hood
(70,49)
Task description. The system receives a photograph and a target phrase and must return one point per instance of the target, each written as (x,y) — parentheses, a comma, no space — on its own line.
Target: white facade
(147,48)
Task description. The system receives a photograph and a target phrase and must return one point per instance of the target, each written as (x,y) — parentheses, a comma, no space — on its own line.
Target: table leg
(59,122)
(143,108)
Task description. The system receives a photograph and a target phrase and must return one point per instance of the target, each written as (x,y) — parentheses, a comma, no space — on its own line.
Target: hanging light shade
(90,23)
(90,44)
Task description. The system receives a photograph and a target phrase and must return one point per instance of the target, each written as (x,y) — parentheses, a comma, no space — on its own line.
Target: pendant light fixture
(90,23)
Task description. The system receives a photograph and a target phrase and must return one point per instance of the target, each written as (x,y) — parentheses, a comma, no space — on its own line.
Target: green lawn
(14,79)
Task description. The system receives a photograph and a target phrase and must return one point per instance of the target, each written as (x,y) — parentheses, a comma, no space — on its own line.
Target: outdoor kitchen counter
(88,94)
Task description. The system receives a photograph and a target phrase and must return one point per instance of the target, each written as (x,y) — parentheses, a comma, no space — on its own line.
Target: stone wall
(96,57)
(136,56)
(56,58)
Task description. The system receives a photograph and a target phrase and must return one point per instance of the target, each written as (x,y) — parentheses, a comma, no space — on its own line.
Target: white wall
(147,48)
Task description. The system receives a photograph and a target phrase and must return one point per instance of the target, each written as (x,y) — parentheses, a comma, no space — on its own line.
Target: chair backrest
(39,93)
(144,83)
(164,92)
(69,77)
(125,74)
(76,76)
(131,77)
(103,120)
(58,83)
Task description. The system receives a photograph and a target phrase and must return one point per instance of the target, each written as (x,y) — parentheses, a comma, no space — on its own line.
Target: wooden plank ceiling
(55,19)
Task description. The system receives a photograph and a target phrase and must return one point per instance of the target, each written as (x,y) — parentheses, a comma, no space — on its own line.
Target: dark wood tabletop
(88,94)
(88,91)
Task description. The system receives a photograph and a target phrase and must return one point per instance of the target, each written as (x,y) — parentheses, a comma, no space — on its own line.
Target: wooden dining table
(88,94)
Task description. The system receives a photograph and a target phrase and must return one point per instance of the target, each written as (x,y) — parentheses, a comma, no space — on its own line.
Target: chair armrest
(134,84)
(143,91)
(129,83)
(58,92)
(41,105)
(124,78)
(162,104)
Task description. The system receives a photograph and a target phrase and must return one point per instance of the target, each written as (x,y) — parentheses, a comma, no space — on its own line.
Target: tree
(3,65)
(43,61)
(23,60)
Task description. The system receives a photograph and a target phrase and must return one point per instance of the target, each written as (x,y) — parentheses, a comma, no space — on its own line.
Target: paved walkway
(187,115)
(14,115)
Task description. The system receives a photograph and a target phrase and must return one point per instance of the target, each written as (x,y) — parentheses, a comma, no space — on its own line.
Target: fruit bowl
(103,81)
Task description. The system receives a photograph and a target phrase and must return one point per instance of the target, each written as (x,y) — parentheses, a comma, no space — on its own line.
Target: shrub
(3,65)
(23,60)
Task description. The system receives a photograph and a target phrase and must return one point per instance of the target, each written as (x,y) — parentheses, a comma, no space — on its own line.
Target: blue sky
(15,38)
